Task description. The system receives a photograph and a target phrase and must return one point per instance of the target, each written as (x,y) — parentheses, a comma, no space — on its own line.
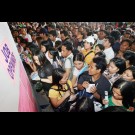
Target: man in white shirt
(25,35)
(68,58)
(108,42)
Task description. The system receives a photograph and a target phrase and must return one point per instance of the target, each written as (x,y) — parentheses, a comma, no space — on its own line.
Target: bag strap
(87,54)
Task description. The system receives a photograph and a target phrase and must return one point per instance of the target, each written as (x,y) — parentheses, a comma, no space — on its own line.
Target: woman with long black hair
(44,69)
(61,89)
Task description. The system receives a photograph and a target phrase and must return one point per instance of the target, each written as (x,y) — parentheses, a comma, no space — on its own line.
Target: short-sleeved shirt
(68,63)
(102,83)
(54,93)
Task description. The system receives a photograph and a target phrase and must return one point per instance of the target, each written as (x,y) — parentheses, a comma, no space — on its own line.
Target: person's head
(108,42)
(127,35)
(53,35)
(116,34)
(102,34)
(24,43)
(45,45)
(80,35)
(117,65)
(81,29)
(19,39)
(124,90)
(97,66)
(39,57)
(64,35)
(129,74)
(129,57)
(53,53)
(100,54)
(99,48)
(59,76)
(125,45)
(15,33)
(132,48)
(78,60)
(33,36)
(32,48)
(23,31)
(85,104)
(58,45)
(67,49)
(43,32)
(51,26)
(109,28)
(88,43)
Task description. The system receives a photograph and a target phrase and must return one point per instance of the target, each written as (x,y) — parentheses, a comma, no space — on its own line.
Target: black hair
(84,104)
(75,51)
(58,45)
(132,69)
(57,75)
(54,53)
(53,33)
(64,32)
(82,33)
(111,40)
(78,57)
(100,63)
(116,34)
(127,40)
(101,47)
(32,47)
(101,54)
(68,45)
(127,91)
(19,37)
(90,33)
(41,56)
(106,33)
(120,63)
(46,44)
(130,55)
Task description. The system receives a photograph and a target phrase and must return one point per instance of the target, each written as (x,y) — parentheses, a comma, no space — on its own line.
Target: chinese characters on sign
(10,60)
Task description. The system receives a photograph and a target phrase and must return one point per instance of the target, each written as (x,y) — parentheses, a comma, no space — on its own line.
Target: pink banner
(26,100)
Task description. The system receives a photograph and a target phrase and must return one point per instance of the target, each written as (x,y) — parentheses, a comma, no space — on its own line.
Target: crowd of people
(81,66)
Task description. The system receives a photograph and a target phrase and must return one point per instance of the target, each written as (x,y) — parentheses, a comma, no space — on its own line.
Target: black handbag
(38,86)
(64,106)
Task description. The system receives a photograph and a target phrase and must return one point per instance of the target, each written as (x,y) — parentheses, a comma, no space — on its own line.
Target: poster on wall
(16,94)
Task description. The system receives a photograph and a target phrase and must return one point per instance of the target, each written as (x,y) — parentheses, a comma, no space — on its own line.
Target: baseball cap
(43,30)
(89,40)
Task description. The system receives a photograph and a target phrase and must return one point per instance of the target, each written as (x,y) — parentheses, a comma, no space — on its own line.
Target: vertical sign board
(15,89)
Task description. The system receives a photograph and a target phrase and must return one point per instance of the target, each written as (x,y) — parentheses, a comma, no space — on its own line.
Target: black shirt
(102,83)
